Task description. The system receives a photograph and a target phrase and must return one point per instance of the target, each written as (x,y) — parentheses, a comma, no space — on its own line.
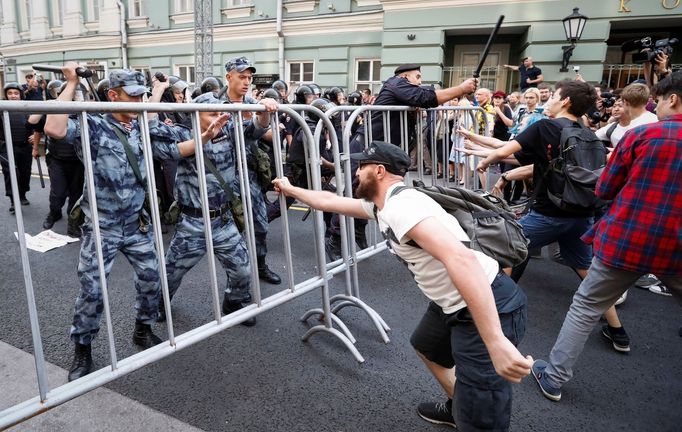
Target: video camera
(649,48)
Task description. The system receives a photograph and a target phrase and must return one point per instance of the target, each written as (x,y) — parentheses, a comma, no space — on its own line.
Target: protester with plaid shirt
(641,232)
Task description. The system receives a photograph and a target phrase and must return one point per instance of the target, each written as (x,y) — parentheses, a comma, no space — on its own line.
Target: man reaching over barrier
(477,314)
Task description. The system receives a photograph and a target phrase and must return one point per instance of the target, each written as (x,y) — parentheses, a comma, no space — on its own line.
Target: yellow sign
(623,8)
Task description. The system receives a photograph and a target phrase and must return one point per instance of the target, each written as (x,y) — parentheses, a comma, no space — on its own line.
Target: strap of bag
(221,180)
(132,160)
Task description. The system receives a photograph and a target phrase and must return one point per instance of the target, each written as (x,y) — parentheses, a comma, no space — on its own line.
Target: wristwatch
(503,176)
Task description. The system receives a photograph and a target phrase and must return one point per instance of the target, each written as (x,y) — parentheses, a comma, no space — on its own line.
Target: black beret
(406,68)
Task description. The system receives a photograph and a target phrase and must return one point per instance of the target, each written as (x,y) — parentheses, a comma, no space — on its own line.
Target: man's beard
(368,188)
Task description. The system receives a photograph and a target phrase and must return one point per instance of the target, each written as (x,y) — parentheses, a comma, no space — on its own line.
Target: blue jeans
(542,230)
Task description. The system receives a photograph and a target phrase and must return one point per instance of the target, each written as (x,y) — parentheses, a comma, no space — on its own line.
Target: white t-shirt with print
(403,212)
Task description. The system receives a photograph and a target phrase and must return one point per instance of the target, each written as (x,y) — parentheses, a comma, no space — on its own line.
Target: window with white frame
(182,6)
(233,3)
(368,74)
(301,72)
(92,12)
(186,73)
(136,9)
(57,12)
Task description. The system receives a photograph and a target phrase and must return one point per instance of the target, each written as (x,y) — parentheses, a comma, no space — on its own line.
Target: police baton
(80,71)
(40,172)
(477,72)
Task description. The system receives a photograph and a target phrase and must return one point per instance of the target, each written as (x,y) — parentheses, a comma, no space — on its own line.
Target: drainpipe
(124,33)
(280,39)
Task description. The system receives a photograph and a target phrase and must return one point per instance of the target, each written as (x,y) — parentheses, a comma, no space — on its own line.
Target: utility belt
(212,213)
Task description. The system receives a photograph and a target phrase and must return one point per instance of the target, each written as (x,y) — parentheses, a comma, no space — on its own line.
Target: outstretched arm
(321,200)
(435,239)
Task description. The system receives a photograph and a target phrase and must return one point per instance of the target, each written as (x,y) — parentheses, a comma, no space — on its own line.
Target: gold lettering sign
(667,4)
(623,8)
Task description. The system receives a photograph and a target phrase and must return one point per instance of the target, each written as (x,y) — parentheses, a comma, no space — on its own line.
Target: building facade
(348,43)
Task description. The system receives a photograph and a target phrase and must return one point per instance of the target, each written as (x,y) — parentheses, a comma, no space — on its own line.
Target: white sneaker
(622,298)
(647,281)
(660,289)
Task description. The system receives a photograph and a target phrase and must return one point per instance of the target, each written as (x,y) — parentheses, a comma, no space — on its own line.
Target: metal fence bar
(92,200)
(156,218)
(39,355)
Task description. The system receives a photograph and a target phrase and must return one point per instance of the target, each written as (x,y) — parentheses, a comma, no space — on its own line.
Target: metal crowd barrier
(49,398)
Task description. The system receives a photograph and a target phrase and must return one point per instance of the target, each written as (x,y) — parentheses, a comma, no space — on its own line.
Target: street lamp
(574,24)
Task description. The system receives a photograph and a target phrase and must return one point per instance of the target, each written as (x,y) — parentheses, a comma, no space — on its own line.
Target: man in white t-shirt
(477,314)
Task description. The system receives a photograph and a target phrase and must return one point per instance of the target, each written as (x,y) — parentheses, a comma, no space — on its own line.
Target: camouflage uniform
(258,204)
(188,245)
(120,198)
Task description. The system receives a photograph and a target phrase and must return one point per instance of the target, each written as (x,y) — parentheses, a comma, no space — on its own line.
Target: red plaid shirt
(642,230)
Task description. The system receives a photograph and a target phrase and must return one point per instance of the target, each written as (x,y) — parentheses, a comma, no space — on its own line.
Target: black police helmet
(280,86)
(211,84)
(302,93)
(355,98)
(103,90)
(196,93)
(317,91)
(52,89)
(333,94)
(12,86)
(272,93)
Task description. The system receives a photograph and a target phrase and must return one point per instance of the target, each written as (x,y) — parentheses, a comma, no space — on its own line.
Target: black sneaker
(229,307)
(620,339)
(437,413)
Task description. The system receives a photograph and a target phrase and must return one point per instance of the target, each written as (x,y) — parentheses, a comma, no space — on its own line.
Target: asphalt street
(265,379)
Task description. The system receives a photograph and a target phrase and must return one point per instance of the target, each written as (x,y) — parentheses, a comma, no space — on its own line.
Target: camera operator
(598,116)
(33,89)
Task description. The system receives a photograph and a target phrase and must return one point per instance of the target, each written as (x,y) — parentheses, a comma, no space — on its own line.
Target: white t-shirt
(646,118)
(401,213)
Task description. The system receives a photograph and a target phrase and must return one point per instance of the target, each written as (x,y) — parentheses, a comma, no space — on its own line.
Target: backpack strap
(132,160)
(221,180)
(610,130)
(389,235)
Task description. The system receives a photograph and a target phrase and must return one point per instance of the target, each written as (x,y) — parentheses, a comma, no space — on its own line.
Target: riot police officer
(21,145)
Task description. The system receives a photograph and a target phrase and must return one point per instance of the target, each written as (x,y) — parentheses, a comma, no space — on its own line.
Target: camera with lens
(607,99)
(648,48)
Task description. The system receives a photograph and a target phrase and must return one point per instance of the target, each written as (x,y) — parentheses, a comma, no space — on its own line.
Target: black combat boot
(23,200)
(332,245)
(264,273)
(229,307)
(144,337)
(73,230)
(82,362)
(51,218)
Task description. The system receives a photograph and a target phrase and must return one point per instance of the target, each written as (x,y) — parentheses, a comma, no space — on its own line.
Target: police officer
(63,166)
(123,222)
(22,148)
(188,244)
(239,75)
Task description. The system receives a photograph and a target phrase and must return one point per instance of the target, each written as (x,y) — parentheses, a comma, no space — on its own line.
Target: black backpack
(486,219)
(572,176)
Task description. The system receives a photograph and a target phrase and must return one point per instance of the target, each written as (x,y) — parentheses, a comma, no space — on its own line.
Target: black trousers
(23,162)
(66,181)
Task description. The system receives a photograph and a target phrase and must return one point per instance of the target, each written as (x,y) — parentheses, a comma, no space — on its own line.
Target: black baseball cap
(240,64)
(406,68)
(389,155)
